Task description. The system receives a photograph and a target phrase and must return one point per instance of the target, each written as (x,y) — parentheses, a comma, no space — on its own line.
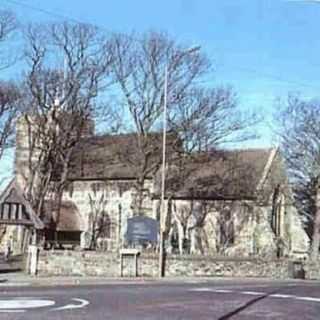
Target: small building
(19,225)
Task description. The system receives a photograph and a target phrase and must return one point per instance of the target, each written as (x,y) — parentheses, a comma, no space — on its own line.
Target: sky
(263,49)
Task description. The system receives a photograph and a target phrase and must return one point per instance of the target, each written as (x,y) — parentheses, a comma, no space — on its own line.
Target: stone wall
(76,263)
(312,270)
(208,266)
(87,263)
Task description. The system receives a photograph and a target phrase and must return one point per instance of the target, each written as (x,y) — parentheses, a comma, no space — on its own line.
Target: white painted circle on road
(24,304)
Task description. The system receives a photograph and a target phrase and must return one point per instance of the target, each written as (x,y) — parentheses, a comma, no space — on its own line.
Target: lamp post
(163,173)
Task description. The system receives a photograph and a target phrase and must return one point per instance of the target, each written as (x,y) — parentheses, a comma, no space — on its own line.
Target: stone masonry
(72,263)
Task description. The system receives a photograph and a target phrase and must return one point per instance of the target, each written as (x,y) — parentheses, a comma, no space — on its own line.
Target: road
(189,299)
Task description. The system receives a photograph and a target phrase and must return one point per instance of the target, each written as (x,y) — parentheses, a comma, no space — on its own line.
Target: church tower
(27,144)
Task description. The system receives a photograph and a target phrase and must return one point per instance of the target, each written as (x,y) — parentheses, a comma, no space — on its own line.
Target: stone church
(228,202)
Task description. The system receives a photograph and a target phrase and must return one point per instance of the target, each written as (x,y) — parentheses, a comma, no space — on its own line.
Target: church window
(276,213)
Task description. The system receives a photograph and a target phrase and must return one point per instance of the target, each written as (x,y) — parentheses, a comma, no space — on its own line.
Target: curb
(58,282)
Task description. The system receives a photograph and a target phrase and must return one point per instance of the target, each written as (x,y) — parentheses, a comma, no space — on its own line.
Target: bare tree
(198,118)
(208,118)
(8,26)
(138,69)
(299,132)
(10,96)
(68,69)
(9,92)
(99,219)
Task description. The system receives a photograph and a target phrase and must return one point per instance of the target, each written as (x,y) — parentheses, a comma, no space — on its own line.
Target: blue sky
(264,49)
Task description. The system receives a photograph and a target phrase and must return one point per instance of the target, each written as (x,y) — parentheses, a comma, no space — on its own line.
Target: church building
(226,202)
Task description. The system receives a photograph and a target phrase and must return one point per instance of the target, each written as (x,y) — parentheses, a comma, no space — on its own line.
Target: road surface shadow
(10,270)
(14,264)
(246,305)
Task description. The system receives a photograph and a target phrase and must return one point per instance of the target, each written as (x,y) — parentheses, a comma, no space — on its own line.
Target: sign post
(140,230)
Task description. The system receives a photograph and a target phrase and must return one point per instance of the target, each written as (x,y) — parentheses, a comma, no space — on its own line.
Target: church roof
(224,174)
(116,156)
(219,174)
(69,219)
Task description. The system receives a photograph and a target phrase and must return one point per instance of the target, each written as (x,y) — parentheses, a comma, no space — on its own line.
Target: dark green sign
(141,229)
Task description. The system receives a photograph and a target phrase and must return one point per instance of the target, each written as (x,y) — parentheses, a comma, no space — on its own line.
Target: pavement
(20,279)
(25,297)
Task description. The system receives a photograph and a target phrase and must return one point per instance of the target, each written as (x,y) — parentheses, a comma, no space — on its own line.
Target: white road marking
(71,306)
(253,293)
(202,289)
(284,296)
(25,298)
(212,290)
(20,304)
(250,287)
(308,299)
(12,311)
(256,293)
(23,304)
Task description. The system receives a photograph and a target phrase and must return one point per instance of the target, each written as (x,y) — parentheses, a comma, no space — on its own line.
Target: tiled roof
(115,156)
(218,174)
(231,174)
(69,219)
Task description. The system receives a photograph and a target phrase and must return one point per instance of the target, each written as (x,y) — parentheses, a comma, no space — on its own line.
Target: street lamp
(163,175)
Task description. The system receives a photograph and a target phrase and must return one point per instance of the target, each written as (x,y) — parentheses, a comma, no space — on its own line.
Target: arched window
(276,212)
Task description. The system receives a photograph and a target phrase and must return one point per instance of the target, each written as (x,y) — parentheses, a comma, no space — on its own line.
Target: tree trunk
(169,237)
(180,236)
(57,208)
(138,200)
(193,241)
(316,229)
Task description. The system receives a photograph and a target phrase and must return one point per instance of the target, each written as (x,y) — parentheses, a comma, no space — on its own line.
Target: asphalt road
(196,299)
